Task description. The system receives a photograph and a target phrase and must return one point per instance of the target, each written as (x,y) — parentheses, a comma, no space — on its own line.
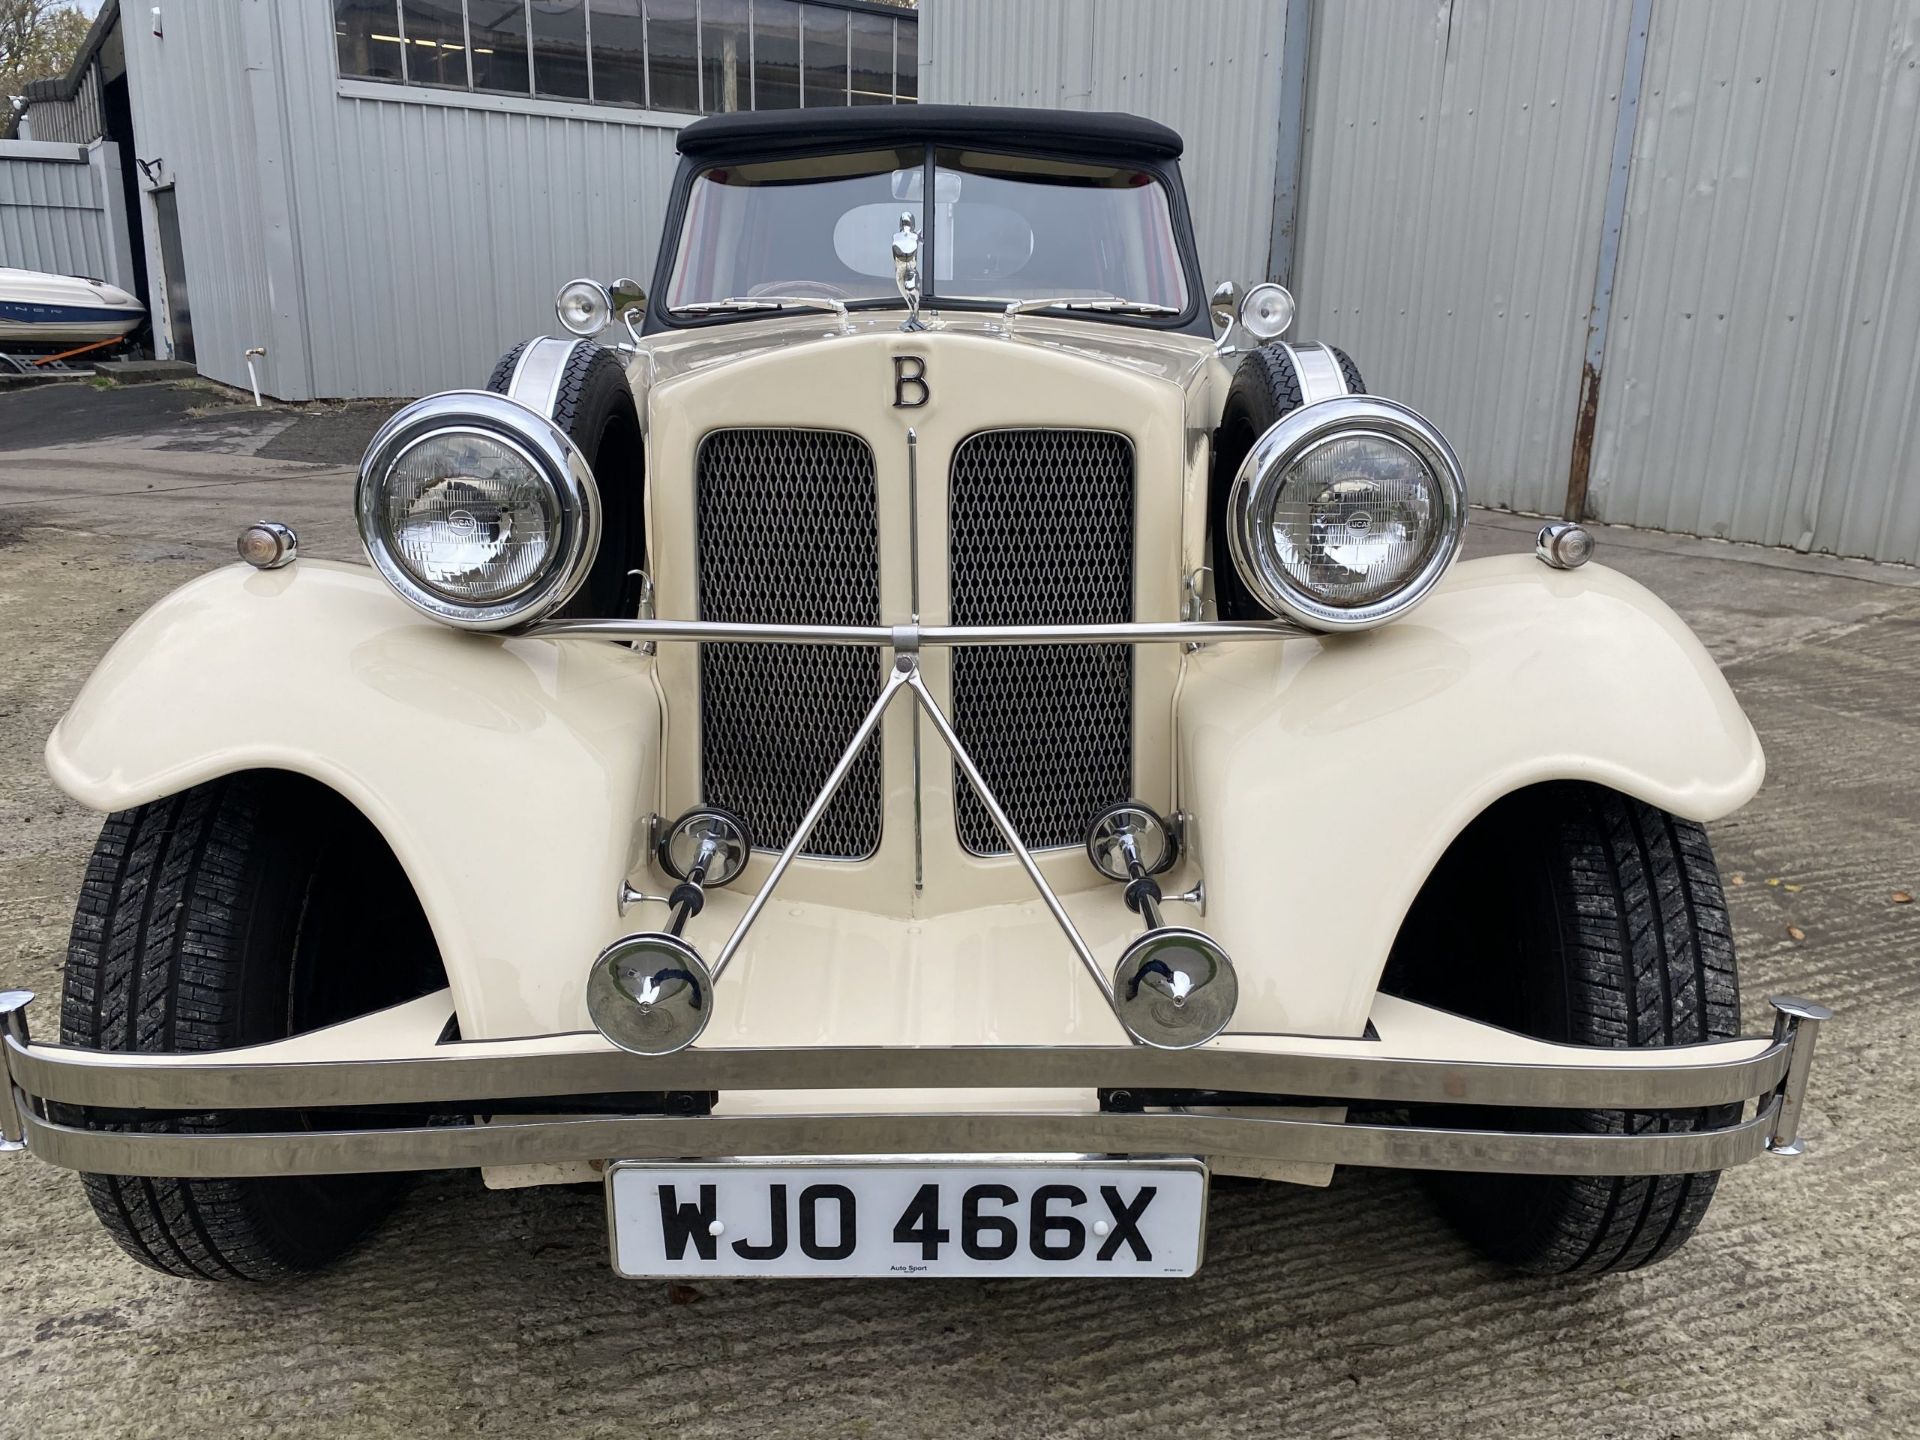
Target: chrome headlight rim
(536,439)
(1288,441)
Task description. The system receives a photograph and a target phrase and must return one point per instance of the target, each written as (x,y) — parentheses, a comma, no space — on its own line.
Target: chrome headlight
(477,510)
(1345,513)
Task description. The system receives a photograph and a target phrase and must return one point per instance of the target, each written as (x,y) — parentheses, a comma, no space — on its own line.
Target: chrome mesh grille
(788,535)
(1040,531)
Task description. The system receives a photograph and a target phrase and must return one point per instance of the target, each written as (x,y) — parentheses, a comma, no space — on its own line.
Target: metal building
(1641,259)
(377,197)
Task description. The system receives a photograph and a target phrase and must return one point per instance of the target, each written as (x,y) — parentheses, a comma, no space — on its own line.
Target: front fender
(1325,777)
(512,778)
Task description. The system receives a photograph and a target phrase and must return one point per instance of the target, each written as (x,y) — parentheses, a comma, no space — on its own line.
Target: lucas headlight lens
(478,511)
(1346,513)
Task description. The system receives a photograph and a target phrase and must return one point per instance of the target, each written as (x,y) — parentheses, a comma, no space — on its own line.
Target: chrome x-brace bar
(906,676)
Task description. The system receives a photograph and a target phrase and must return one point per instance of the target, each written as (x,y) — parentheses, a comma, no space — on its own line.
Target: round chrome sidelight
(1346,512)
(1564,545)
(585,307)
(709,846)
(477,510)
(268,545)
(650,993)
(1127,835)
(1266,312)
(1175,988)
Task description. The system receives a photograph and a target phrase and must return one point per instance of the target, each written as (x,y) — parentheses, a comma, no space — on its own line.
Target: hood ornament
(906,269)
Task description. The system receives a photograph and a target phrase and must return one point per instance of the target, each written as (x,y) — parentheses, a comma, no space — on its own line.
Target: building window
(686,56)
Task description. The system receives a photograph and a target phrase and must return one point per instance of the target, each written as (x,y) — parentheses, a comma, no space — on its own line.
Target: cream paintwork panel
(511,777)
(1325,777)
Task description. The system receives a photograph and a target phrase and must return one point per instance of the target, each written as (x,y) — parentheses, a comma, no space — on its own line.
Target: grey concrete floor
(1347,1311)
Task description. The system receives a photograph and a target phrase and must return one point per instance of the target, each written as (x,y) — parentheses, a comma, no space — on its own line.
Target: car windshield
(1003,228)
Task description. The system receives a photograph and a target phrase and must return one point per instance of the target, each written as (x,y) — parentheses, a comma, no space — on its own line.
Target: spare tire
(594,404)
(1265,388)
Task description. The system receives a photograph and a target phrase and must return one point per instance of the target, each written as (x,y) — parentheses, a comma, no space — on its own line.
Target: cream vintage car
(900,751)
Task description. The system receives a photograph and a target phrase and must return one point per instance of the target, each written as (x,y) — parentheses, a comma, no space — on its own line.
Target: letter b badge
(910,389)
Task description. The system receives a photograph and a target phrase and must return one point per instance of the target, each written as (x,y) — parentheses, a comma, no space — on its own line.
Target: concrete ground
(1341,1312)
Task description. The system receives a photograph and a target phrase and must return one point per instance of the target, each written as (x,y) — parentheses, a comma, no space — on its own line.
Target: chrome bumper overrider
(397,1060)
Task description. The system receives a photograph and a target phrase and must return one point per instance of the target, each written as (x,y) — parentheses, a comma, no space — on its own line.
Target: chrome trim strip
(1691,1075)
(891,636)
(535,382)
(913,581)
(1318,369)
(533,1142)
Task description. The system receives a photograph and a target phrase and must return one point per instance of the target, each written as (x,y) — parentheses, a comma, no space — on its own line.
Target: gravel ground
(1347,1311)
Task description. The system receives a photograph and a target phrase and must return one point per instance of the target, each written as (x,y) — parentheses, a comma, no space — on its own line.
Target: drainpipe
(1580,463)
(258,352)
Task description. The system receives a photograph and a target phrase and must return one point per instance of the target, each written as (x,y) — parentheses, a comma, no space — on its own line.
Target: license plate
(965,1215)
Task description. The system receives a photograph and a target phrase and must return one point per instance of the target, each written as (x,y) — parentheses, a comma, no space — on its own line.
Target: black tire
(244,910)
(1264,389)
(1573,913)
(594,405)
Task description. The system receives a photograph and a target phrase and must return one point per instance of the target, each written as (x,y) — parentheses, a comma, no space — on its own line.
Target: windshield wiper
(763,302)
(1111,304)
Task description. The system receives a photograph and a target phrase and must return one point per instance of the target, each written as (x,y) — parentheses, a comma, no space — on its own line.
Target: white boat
(41,309)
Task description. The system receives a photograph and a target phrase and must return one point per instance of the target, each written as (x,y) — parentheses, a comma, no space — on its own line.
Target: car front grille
(788,534)
(1041,530)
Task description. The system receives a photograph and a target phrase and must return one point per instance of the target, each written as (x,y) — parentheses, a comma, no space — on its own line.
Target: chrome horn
(1173,987)
(650,992)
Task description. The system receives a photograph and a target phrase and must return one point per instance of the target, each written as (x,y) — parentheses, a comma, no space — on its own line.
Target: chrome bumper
(394,1058)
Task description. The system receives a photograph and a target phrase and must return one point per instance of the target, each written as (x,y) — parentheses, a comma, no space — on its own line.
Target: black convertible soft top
(1097,134)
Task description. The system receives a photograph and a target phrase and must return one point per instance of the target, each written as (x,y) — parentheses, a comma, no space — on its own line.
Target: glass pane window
(673,50)
(560,48)
(872,59)
(906,61)
(823,55)
(726,65)
(1013,227)
(619,52)
(366,34)
(498,29)
(776,55)
(819,224)
(436,42)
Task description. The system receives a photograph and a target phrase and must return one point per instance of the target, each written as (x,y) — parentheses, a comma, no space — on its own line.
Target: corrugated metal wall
(1208,68)
(1762,373)
(434,236)
(1454,177)
(54,214)
(373,246)
(75,119)
(194,122)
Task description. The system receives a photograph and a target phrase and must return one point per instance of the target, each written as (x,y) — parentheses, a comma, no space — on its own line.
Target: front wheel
(1576,914)
(243,910)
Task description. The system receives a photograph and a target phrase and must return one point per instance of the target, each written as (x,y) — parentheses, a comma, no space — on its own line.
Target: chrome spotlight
(651,993)
(1129,840)
(707,846)
(1173,987)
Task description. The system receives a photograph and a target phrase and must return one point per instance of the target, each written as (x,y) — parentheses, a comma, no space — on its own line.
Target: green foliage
(38,40)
